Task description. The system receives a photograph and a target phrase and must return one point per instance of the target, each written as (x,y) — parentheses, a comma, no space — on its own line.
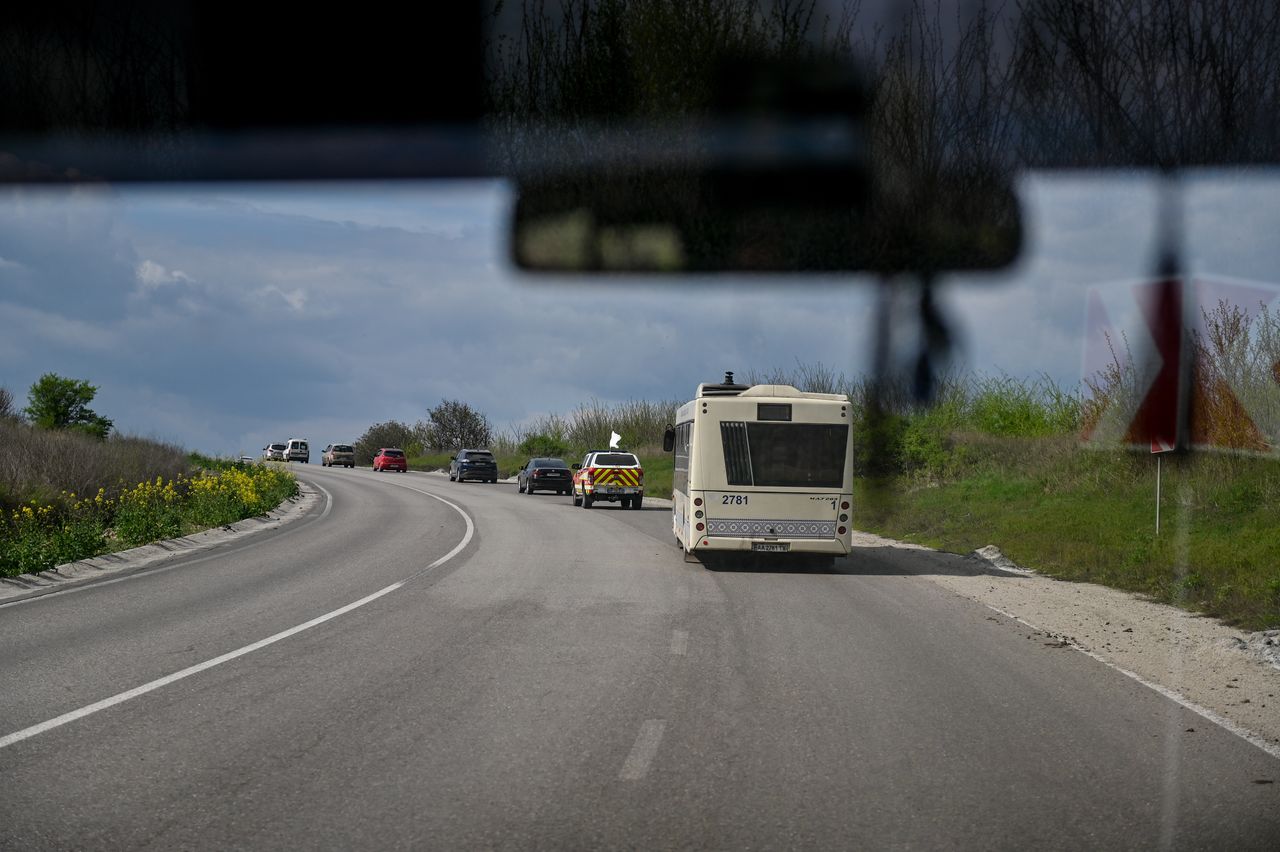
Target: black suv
(473,464)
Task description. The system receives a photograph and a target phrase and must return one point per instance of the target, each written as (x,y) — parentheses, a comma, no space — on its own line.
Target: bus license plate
(770,547)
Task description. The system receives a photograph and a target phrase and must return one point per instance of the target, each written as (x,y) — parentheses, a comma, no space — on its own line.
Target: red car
(389,458)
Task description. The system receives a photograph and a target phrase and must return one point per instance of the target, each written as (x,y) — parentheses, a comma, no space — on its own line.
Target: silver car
(338,454)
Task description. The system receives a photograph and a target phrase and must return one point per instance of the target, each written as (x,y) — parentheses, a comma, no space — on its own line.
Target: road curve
(565,680)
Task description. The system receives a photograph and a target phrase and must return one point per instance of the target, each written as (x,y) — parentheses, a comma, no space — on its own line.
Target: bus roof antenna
(728,377)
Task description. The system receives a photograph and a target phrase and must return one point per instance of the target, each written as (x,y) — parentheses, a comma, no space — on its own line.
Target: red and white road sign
(1147,328)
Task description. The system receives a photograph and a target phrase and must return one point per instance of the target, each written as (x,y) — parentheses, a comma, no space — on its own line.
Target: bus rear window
(784,455)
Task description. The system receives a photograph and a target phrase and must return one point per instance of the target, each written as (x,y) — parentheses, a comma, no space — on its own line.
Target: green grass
(657,474)
(1080,514)
(39,535)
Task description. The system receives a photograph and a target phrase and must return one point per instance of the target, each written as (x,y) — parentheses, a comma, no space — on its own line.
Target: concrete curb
(87,570)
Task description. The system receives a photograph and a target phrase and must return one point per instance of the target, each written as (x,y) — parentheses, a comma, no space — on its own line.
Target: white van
(297,450)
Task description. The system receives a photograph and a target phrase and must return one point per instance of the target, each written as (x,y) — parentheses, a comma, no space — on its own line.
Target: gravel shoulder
(148,555)
(1232,674)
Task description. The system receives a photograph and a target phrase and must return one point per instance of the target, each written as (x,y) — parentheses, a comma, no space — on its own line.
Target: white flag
(614,438)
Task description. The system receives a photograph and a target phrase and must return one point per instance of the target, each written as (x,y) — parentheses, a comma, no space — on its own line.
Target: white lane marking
(328,500)
(1245,734)
(642,753)
(679,642)
(179,561)
(120,698)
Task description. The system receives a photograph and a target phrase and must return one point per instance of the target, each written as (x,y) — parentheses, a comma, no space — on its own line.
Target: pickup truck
(611,475)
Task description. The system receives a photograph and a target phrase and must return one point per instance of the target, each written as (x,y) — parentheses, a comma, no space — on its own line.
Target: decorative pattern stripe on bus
(765,527)
(616,476)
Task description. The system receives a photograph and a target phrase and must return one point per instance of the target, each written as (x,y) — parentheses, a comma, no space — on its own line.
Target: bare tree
(1154,82)
(454,424)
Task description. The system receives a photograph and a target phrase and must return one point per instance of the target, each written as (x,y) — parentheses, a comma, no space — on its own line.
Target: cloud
(36,330)
(152,275)
(295,298)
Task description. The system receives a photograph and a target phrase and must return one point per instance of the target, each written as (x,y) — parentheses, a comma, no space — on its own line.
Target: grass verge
(39,535)
(1079,514)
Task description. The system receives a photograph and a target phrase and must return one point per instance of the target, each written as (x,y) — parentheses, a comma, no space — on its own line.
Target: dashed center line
(642,753)
(679,642)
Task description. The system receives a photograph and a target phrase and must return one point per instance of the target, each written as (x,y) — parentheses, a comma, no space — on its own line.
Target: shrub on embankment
(66,496)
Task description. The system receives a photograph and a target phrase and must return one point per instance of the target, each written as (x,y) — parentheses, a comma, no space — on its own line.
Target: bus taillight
(844,504)
(697,501)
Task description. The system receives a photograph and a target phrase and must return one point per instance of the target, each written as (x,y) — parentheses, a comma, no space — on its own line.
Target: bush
(148,512)
(37,537)
(56,402)
(393,433)
(543,445)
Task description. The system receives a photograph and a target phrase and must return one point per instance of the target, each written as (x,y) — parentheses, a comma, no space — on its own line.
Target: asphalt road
(565,680)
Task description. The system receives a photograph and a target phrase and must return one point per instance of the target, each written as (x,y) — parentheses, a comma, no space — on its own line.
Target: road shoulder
(1205,663)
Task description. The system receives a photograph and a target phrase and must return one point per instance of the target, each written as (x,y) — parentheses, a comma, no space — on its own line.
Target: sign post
(1159,447)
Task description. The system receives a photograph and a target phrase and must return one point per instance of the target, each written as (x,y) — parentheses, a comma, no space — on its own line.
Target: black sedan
(544,475)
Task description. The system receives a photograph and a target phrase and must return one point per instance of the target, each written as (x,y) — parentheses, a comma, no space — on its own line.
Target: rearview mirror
(793,219)
(779,174)
(669,440)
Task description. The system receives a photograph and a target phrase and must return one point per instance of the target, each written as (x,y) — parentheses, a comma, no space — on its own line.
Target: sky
(223,317)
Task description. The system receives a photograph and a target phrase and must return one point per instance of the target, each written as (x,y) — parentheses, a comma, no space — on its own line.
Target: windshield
(1017,587)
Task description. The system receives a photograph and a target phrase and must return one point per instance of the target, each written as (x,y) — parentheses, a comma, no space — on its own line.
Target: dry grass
(40,464)
(1236,383)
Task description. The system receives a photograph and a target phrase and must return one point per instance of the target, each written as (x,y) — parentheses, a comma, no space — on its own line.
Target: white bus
(766,468)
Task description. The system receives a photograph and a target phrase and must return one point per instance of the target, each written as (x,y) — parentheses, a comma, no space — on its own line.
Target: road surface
(502,670)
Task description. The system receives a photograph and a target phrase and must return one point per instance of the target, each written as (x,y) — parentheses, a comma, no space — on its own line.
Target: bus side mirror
(669,440)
